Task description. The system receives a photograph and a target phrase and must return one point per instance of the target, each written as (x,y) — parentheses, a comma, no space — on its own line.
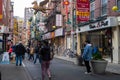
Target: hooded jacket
(87,53)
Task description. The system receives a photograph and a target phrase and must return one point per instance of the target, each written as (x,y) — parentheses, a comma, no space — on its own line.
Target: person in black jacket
(46,58)
(37,53)
(20,52)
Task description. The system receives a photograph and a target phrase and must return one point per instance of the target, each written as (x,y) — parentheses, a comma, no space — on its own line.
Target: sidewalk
(12,72)
(111,67)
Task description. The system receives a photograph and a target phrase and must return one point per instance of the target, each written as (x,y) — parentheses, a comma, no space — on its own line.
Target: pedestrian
(87,56)
(51,50)
(31,53)
(10,52)
(28,51)
(13,48)
(20,52)
(37,53)
(46,58)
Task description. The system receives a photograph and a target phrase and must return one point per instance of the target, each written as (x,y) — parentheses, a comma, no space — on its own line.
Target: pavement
(111,67)
(13,72)
(21,73)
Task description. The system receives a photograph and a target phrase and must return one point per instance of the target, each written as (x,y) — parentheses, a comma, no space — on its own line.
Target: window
(118,4)
(92,9)
(104,7)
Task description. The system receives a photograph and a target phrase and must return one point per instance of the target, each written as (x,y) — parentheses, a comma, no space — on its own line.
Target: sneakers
(20,64)
(50,78)
(87,72)
(16,64)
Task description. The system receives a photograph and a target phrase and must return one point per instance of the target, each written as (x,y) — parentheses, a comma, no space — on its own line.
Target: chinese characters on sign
(83,10)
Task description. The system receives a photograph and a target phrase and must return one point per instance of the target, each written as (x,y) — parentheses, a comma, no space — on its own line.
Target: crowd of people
(42,51)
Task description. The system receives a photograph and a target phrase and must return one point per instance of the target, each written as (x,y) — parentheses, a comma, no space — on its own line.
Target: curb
(112,68)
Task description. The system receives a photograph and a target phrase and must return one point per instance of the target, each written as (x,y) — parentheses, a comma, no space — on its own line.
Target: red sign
(0,10)
(83,10)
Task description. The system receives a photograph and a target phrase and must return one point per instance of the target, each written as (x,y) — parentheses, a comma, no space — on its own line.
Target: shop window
(102,39)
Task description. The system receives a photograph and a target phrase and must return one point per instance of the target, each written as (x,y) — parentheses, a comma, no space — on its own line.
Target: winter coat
(45,53)
(10,50)
(20,50)
(87,53)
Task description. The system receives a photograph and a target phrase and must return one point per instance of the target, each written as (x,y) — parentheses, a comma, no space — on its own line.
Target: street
(65,70)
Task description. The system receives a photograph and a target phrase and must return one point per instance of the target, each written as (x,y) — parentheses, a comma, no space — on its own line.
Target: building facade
(102,30)
(6,19)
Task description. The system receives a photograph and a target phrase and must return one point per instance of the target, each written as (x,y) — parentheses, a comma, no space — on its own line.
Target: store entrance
(103,40)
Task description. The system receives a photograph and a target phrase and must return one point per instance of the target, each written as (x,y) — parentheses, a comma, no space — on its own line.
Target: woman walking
(46,58)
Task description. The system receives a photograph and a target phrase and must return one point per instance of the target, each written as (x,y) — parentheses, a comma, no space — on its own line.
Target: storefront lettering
(99,24)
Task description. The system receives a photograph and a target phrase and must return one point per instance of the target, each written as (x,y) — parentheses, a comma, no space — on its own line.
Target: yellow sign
(1,16)
(83,0)
(78,13)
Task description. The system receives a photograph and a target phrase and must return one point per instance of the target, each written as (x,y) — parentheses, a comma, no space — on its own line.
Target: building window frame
(118,4)
(104,7)
(92,10)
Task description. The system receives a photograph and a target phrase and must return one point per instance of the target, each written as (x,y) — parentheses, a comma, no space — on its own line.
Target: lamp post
(73,23)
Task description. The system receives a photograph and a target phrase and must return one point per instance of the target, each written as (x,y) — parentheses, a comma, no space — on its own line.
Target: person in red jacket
(10,51)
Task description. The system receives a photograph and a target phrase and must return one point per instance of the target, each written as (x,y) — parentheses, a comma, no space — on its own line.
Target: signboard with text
(0,10)
(83,10)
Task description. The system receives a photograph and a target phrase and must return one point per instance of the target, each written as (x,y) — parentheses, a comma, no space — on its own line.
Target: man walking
(19,51)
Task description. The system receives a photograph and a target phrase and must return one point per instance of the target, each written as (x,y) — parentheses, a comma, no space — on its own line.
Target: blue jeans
(19,60)
(37,56)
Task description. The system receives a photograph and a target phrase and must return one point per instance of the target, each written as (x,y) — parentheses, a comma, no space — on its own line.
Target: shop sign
(59,20)
(83,10)
(1,15)
(32,34)
(47,36)
(99,24)
(59,32)
(41,26)
(109,22)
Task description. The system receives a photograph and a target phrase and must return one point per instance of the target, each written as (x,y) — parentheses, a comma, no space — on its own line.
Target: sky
(19,6)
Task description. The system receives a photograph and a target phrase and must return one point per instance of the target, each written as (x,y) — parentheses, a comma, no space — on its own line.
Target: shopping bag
(5,58)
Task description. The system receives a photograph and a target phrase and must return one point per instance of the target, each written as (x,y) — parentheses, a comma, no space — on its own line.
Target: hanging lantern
(66,2)
(114,8)
(53,27)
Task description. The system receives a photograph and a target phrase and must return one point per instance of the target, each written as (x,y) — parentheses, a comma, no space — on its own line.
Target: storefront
(101,35)
(4,40)
(56,38)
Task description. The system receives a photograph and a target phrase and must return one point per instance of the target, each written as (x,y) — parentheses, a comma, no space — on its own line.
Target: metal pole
(72,26)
